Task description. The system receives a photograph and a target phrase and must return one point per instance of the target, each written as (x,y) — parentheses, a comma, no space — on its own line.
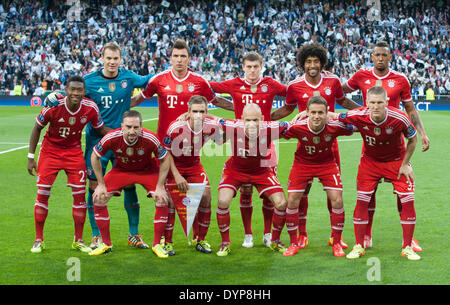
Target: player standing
(133,147)
(184,141)
(312,58)
(398,91)
(174,88)
(382,128)
(111,89)
(61,150)
(253,88)
(251,139)
(314,158)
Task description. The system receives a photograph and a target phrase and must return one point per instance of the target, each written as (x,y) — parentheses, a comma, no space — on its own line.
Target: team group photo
(224,143)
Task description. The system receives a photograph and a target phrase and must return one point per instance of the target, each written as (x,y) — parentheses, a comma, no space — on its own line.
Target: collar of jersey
(105,77)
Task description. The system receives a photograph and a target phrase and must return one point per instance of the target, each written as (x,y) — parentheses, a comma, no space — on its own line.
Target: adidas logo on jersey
(100,90)
(305,95)
(367,82)
(167,87)
(242,88)
(61,120)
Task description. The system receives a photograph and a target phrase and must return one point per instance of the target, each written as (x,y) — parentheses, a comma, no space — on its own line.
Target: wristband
(30,156)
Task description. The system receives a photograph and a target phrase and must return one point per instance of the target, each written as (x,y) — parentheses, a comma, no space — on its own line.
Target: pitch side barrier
(441,103)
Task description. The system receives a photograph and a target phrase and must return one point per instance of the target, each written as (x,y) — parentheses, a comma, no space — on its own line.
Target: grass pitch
(257,266)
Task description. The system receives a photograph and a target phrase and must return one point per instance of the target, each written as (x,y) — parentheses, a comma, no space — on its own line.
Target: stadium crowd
(44,43)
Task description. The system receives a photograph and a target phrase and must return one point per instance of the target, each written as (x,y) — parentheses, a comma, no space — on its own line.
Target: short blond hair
(113,46)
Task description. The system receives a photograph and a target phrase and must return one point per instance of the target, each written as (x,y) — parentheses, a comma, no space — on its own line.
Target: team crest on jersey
(316,140)
(72,120)
(191,87)
(83,120)
(130,151)
(167,141)
(140,151)
(112,87)
(124,84)
(377,131)
(316,93)
(327,90)
(389,130)
(327,138)
(391,84)
(179,88)
(378,83)
(264,88)
(253,88)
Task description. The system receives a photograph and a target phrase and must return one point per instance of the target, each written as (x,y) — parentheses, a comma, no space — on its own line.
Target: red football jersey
(185,144)
(174,94)
(382,141)
(250,155)
(300,90)
(395,83)
(316,147)
(131,156)
(243,93)
(66,127)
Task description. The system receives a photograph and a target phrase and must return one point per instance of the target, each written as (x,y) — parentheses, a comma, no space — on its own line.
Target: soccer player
(111,89)
(184,141)
(133,147)
(251,139)
(312,58)
(253,88)
(61,150)
(382,128)
(174,88)
(398,91)
(314,158)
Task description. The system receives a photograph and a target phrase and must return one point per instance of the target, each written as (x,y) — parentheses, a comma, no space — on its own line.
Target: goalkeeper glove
(53,98)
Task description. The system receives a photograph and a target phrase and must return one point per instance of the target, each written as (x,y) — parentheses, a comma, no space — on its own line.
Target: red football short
(370,173)
(303,174)
(265,181)
(116,180)
(199,177)
(50,162)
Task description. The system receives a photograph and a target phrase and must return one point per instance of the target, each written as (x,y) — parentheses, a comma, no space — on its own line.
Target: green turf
(259,265)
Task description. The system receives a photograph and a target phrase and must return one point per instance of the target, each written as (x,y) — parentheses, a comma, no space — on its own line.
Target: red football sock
(41,211)
(195,227)
(361,216)
(79,211)
(278,220)
(168,231)
(246,206)
(371,211)
(302,215)
(292,224)
(337,224)
(267,210)
(204,219)
(160,223)
(407,218)
(223,221)
(102,220)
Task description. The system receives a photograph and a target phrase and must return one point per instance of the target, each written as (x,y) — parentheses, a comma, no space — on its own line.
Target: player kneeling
(184,140)
(314,158)
(133,147)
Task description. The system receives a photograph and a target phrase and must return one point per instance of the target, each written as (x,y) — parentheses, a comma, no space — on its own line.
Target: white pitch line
(26,146)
